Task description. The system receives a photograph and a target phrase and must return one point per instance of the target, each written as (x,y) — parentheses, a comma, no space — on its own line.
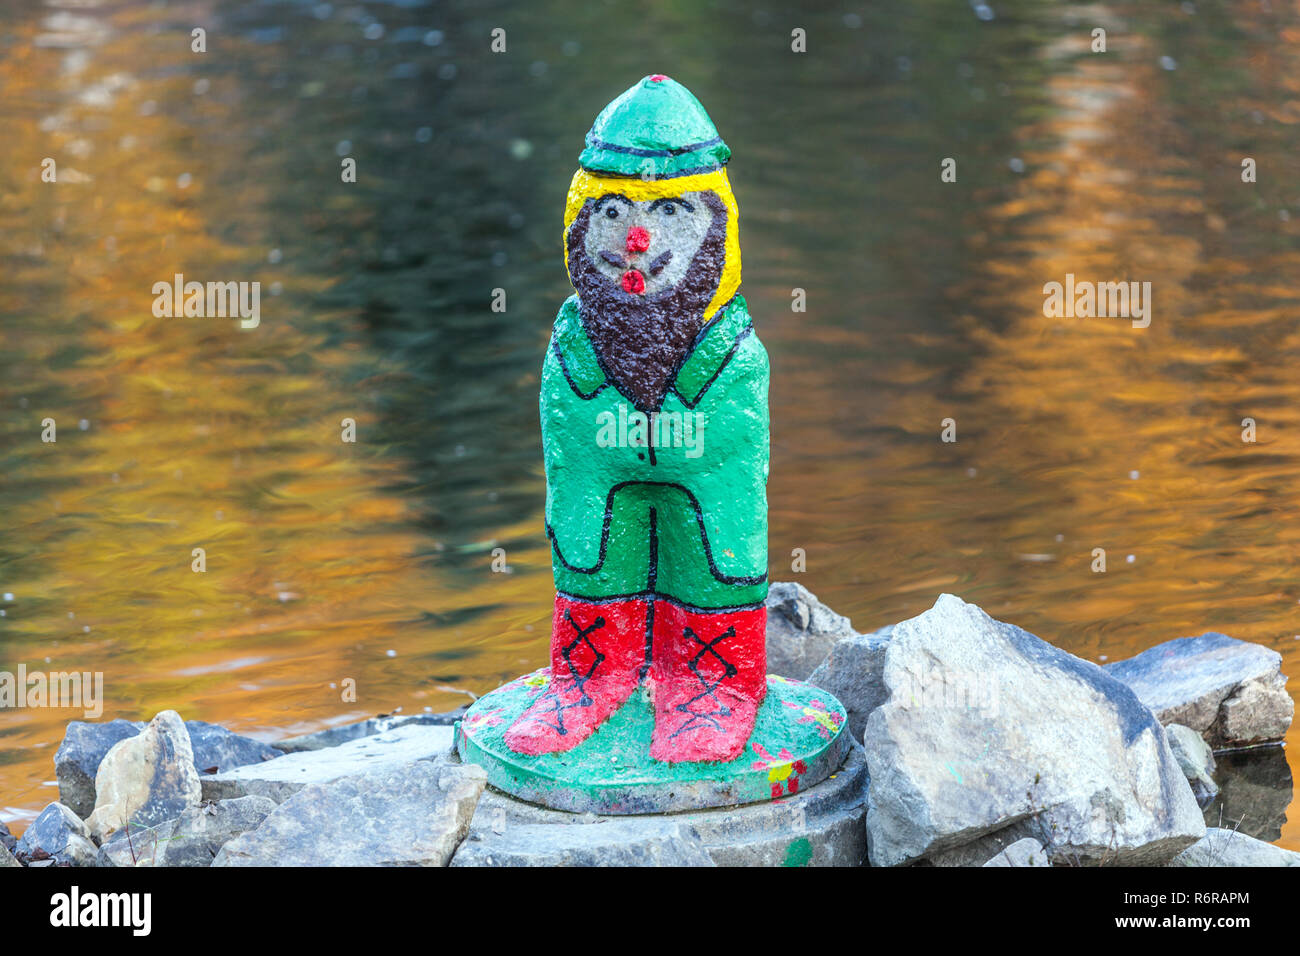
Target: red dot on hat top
(658,78)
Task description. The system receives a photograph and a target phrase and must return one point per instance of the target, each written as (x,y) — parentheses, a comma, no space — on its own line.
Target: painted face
(647,247)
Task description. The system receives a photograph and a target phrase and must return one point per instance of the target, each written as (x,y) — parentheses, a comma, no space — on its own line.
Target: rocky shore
(976,744)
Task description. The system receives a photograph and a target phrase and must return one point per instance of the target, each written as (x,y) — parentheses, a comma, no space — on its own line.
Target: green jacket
(685,517)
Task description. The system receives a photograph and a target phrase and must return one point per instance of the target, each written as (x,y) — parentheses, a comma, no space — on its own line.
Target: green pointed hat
(655,129)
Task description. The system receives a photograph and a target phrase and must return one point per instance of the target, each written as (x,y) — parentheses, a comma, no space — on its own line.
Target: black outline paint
(594,143)
(651,596)
(735,580)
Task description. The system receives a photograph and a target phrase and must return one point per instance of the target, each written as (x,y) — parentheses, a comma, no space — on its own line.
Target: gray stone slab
(281,778)
(345,733)
(412,815)
(609,842)
(821,826)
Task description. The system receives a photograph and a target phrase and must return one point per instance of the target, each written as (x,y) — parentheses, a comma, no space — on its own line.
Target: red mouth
(633,282)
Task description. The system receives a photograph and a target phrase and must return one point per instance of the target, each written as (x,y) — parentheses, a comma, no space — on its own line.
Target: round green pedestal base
(798,740)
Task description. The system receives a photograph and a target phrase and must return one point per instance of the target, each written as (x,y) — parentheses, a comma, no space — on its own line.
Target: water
(329,562)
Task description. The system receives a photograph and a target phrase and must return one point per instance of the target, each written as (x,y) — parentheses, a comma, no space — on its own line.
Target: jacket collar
(576,354)
(713,347)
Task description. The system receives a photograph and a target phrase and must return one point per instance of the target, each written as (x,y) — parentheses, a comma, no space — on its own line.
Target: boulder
(852,671)
(414,815)
(147,779)
(610,842)
(133,846)
(7,839)
(800,630)
(987,727)
(1195,759)
(200,832)
(7,858)
(1231,692)
(59,835)
(281,778)
(193,839)
(216,748)
(85,744)
(1026,852)
(79,756)
(1228,848)
(982,849)
(334,736)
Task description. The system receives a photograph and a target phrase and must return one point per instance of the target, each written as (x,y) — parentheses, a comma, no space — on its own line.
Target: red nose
(638,239)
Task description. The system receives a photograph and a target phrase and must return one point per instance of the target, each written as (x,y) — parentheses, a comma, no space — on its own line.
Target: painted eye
(611,212)
(668,209)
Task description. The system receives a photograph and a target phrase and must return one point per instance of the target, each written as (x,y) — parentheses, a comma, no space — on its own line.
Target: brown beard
(642,341)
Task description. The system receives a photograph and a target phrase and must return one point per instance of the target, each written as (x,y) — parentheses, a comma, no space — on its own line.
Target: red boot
(597,652)
(710,675)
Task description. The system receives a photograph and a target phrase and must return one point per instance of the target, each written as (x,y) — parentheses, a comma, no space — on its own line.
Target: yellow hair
(587,186)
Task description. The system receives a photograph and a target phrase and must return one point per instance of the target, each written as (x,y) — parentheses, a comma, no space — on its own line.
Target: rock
(7,839)
(852,671)
(986,726)
(610,842)
(982,849)
(989,849)
(85,744)
(1227,848)
(1255,789)
(281,778)
(1195,759)
(822,826)
(334,736)
(1026,852)
(800,630)
(7,858)
(147,779)
(413,815)
(200,832)
(57,834)
(216,747)
(78,758)
(133,846)
(1231,692)
(1259,712)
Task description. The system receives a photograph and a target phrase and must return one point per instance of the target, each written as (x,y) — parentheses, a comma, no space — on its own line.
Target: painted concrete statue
(655,439)
(655,430)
